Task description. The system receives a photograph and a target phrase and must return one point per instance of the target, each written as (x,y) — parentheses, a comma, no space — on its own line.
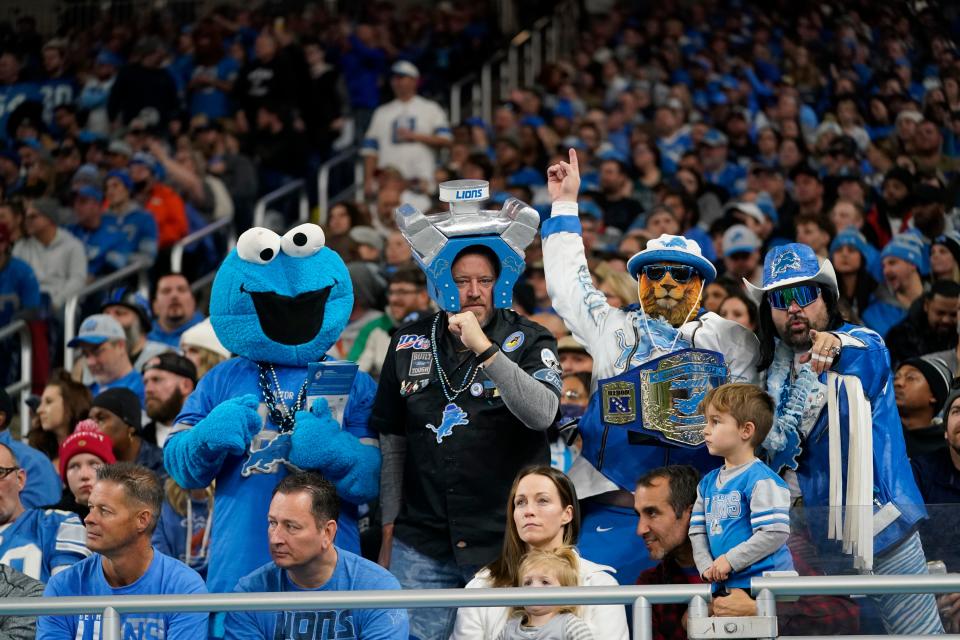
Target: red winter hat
(86,438)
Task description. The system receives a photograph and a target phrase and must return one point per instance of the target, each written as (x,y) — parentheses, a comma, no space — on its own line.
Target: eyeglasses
(463,283)
(681,274)
(570,394)
(803,295)
(5,471)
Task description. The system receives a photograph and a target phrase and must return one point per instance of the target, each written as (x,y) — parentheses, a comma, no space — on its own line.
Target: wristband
(488,353)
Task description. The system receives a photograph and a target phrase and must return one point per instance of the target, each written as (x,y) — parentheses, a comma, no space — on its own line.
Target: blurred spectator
(741,254)
(323,110)
(364,61)
(620,289)
(124,509)
(396,253)
(10,179)
(174,309)
(42,485)
(344,216)
(945,257)
(64,403)
(96,90)
(130,309)
(67,158)
(302,529)
(38,542)
(938,473)
(274,75)
(81,454)
(14,584)
(158,199)
(212,75)
(201,346)
(237,172)
(205,193)
(904,262)
(280,148)
(921,385)
(11,217)
(616,200)
(807,189)
(573,356)
(143,85)
(406,132)
(103,345)
(137,225)
(118,414)
(369,289)
(407,300)
(739,308)
(815,231)
(928,215)
(57,258)
(930,325)
(895,202)
(183,531)
(717,168)
(852,257)
(19,290)
(369,243)
(168,379)
(106,247)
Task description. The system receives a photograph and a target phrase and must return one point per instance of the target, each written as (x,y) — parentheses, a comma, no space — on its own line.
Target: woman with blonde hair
(203,348)
(542,514)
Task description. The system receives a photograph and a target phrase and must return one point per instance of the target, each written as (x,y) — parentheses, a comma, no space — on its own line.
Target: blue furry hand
(231,426)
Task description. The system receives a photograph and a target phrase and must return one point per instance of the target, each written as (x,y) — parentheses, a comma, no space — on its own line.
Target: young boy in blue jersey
(741,519)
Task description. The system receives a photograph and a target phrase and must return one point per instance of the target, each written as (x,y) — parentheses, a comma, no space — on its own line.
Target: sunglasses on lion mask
(681,274)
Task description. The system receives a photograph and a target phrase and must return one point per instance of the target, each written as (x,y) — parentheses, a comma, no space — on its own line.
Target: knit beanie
(86,438)
(938,375)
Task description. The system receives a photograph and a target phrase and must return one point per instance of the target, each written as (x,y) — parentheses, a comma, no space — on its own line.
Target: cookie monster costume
(278,303)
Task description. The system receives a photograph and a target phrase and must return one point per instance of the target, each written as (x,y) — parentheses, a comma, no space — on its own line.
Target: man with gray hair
(124,509)
(56,256)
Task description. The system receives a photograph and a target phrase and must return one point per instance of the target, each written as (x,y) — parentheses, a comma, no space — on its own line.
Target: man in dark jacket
(144,84)
(930,325)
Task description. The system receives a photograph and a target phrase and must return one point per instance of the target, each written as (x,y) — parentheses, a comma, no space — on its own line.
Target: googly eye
(258,245)
(303,241)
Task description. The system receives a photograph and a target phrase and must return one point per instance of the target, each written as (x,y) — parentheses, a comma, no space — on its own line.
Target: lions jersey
(42,542)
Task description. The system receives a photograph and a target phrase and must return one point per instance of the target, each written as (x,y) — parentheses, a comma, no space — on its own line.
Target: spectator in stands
(945,257)
(573,356)
(81,454)
(158,199)
(663,500)
(11,216)
(67,158)
(63,404)
(928,215)
(807,189)
(738,307)
(118,413)
(106,247)
(274,75)
(407,301)
(237,171)
(930,325)
(103,344)
(508,395)
(19,299)
(369,243)
(184,528)
(42,486)
(895,201)
(904,262)
(815,231)
(143,84)
(406,132)
(38,542)
(800,325)
(174,309)
(717,169)
(137,225)
(186,171)
(323,110)
(57,258)
(302,529)
(124,508)
(168,379)
(281,149)
(14,584)
(852,256)
(543,514)
(920,386)
(368,293)
(10,179)
(130,309)
(96,90)
(201,346)
(620,208)
(212,75)
(741,253)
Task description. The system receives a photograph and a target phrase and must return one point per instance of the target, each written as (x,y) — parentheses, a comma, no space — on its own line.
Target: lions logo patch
(453,416)
(513,341)
(549,359)
(268,452)
(786,261)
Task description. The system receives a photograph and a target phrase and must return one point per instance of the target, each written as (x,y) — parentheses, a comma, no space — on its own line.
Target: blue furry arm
(193,457)
(319,443)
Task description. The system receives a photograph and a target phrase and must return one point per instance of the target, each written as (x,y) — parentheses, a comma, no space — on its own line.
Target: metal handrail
(176,251)
(138,267)
(260,208)
(324,201)
(866,585)
(22,386)
(641,597)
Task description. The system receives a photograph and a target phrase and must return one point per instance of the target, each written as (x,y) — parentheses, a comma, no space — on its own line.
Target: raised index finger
(574,162)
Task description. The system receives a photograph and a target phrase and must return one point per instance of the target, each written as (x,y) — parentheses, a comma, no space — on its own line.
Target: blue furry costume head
(283,300)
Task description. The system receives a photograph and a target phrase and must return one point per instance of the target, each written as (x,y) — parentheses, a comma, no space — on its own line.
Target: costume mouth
(290,320)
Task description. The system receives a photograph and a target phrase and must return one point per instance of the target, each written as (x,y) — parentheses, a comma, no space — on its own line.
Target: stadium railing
(294,186)
(112,607)
(138,269)
(21,387)
(348,156)
(177,251)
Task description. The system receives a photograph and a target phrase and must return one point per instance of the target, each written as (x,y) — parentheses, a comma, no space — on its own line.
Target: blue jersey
(352,573)
(244,483)
(43,484)
(730,177)
(19,289)
(672,149)
(132,381)
(731,511)
(210,100)
(106,246)
(164,576)
(172,338)
(50,93)
(170,536)
(42,541)
(140,230)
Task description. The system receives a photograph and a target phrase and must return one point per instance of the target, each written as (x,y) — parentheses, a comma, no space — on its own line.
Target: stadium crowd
(709,149)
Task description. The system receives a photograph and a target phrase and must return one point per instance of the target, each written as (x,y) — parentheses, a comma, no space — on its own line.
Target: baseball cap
(121,402)
(569,343)
(714,138)
(173,363)
(88,191)
(747,208)
(405,68)
(146,159)
(120,147)
(739,238)
(97,329)
(367,235)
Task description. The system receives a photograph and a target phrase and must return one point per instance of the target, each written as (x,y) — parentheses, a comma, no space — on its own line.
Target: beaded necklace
(449,391)
(281,414)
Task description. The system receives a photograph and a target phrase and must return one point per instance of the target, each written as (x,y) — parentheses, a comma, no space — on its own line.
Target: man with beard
(931,324)
(174,309)
(620,208)
(896,198)
(663,500)
(167,381)
(802,339)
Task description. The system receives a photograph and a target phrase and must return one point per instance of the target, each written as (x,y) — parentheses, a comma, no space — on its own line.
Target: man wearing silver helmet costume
(630,426)
(465,397)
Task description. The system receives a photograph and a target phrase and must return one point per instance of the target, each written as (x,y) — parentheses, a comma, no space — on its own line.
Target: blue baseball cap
(146,159)
(714,138)
(789,264)
(668,248)
(765,203)
(88,191)
(97,329)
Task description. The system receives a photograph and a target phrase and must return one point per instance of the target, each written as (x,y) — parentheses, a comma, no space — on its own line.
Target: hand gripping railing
(176,252)
(324,199)
(137,267)
(22,386)
(260,208)
(112,607)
